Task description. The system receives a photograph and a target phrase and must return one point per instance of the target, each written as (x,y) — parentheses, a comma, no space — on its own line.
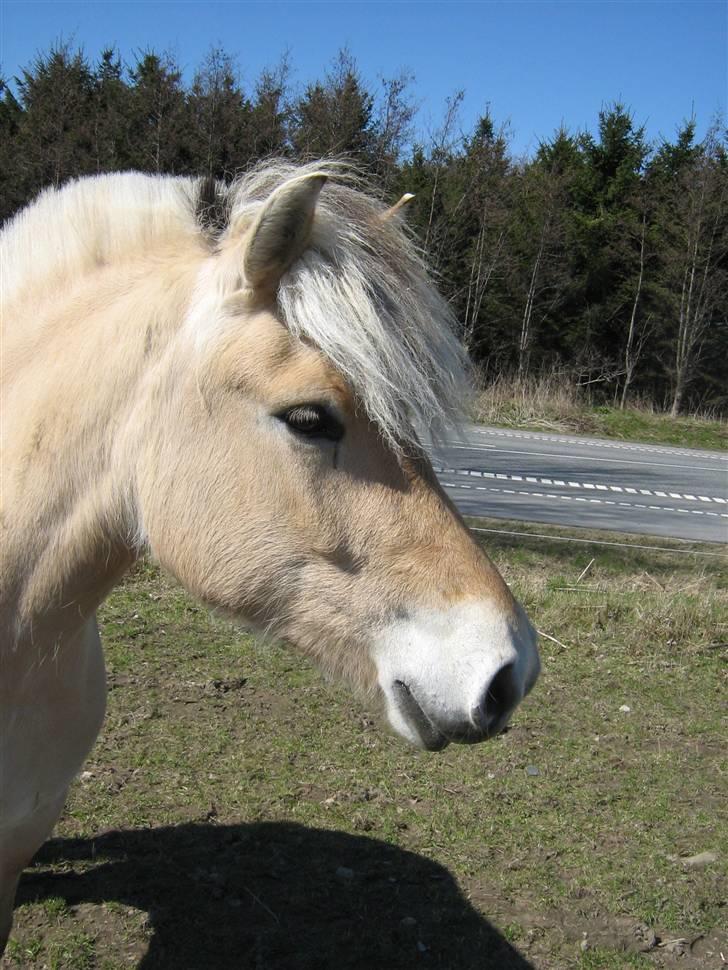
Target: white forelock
(361,293)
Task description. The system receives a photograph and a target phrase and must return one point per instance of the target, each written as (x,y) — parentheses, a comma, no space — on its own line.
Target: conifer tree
(483,212)
(540,248)
(54,136)
(158,137)
(218,118)
(607,218)
(12,185)
(334,116)
(111,114)
(270,113)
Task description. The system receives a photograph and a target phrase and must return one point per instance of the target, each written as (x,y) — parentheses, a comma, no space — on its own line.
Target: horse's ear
(397,207)
(281,231)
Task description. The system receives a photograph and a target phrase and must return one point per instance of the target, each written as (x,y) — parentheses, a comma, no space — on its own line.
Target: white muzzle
(455,674)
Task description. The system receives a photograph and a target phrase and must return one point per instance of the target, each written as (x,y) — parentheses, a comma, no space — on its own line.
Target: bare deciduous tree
(698,258)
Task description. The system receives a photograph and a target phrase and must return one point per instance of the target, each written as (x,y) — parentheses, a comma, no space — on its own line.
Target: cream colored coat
(241,402)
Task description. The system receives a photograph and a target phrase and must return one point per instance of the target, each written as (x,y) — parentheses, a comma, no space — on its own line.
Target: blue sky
(537,63)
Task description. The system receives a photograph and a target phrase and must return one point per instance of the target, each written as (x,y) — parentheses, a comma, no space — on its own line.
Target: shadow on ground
(274,895)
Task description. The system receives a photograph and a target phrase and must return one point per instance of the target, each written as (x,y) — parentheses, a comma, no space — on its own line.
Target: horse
(236,379)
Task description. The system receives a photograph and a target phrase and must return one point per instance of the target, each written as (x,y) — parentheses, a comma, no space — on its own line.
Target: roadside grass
(551,403)
(634,424)
(239,812)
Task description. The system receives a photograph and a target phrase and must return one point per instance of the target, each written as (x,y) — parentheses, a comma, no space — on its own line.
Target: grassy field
(238,812)
(552,403)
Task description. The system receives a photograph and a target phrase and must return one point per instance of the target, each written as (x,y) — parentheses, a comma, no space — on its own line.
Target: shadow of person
(275,895)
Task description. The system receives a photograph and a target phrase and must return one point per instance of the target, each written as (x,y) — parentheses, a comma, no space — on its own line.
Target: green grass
(640,425)
(601,959)
(627,425)
(241,813)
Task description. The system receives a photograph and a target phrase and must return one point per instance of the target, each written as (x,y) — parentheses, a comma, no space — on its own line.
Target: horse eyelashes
(307,418)
(312,421)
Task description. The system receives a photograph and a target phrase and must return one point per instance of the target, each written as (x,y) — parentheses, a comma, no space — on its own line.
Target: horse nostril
(499,699)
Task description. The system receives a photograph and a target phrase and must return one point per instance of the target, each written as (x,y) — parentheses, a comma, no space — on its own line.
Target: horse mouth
(429,734)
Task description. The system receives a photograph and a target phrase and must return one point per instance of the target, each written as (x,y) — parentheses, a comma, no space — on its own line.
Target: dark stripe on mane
(212,207)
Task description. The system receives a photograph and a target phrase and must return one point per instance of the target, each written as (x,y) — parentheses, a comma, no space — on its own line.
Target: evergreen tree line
(605,257)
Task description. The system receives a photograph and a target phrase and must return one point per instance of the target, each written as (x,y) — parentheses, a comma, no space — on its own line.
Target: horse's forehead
(279,368)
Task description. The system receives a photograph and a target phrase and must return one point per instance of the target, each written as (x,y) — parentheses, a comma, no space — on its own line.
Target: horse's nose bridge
(464,559)
(466,572)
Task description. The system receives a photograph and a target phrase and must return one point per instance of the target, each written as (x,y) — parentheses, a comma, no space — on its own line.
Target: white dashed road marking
(575,498)
(475,473)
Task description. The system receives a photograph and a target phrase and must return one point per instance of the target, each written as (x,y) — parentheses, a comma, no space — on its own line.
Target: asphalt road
(590,482)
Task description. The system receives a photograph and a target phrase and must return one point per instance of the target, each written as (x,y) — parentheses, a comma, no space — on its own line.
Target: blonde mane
(360,292)
(88,222)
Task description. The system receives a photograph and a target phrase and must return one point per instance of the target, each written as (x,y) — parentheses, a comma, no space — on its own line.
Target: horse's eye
(312,421)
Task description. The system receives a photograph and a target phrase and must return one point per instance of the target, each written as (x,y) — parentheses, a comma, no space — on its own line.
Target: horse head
(280,473)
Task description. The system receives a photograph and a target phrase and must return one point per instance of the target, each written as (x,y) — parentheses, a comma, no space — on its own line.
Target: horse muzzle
(456,675)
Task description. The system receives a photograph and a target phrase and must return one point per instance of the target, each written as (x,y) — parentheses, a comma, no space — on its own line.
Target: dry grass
(553,401)
(547,401)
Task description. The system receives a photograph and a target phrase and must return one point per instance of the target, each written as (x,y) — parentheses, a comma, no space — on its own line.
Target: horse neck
(73,420)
